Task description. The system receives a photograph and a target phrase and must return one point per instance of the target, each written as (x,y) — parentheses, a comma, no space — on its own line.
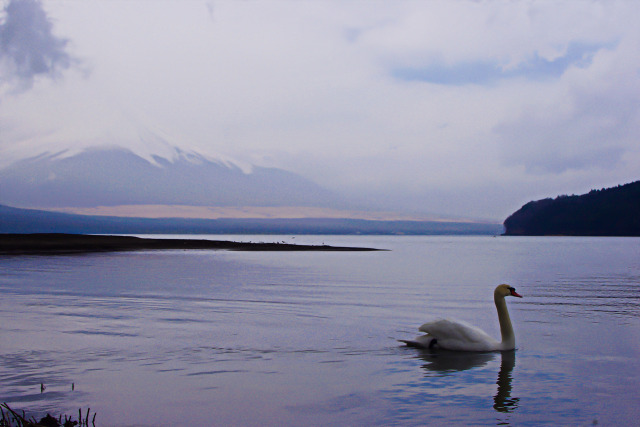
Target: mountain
(16,220)
(607,212)
(110,176)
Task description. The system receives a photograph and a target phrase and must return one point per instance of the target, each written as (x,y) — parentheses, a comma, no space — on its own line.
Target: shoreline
(61,243)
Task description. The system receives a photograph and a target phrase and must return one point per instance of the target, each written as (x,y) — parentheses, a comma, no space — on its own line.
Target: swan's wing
(459,335)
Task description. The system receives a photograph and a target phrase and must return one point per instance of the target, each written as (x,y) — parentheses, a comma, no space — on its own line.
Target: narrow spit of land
(52,243)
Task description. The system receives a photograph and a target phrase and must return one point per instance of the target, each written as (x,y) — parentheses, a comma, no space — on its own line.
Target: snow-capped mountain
(109,176)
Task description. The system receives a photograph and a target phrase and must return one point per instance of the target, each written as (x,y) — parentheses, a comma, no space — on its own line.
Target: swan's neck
(506,330)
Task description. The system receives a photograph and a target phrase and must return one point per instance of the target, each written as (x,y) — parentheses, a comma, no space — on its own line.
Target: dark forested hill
(607,212)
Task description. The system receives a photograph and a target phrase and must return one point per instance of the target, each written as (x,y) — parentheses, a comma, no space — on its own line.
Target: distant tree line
(606,212)
(17,220)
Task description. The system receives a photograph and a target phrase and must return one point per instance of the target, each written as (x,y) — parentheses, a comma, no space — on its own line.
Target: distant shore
(52,243)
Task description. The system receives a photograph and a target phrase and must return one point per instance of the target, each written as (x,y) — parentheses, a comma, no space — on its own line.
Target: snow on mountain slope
(109,176)
(104,126)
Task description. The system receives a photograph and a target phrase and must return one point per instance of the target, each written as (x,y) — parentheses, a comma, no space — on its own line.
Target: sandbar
(52,243)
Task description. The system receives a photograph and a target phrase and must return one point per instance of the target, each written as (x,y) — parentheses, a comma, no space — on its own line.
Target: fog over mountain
(466,109)
(115,156)
(112,175)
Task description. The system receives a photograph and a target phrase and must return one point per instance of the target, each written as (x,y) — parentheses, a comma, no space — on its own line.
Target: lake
(309,338)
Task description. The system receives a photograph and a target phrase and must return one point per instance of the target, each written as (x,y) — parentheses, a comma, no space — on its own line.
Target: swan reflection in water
(502,401)
(452,361)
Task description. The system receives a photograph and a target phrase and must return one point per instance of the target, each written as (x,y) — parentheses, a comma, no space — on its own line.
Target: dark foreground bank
(12,418)
(70,243)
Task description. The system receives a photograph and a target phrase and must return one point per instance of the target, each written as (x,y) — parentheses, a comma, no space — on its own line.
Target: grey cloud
(28,47)
(596,134)
(210,10)
(491,71)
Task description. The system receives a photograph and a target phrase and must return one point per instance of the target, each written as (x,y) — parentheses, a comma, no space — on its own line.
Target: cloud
(537,67)
(499,102)
(587,121)
(28,48)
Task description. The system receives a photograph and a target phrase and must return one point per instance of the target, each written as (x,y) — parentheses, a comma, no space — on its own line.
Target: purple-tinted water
(255,338)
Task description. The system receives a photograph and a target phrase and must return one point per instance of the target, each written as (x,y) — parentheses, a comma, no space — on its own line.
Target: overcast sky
(452,107)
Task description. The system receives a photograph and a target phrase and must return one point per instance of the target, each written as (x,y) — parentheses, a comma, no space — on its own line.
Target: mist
(459,108)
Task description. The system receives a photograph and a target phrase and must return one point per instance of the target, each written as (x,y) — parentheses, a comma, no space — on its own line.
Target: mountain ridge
(252,212)
(29,221)
(108,176)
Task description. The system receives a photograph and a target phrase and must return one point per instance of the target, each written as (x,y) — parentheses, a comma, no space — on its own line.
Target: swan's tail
(423,341)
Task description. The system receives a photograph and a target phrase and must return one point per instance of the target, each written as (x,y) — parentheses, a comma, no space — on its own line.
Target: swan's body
(460,336)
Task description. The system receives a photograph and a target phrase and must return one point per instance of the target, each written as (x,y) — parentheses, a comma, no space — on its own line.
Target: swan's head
(506,290)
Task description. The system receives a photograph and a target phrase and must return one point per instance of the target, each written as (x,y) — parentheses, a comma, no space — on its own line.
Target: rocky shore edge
(52,243)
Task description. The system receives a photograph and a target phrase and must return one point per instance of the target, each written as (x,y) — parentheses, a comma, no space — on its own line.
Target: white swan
(460,336)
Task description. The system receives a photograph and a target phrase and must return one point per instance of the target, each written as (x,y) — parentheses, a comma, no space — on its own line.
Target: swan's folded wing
(459,335)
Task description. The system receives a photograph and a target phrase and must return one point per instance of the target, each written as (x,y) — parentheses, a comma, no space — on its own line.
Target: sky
(464,108)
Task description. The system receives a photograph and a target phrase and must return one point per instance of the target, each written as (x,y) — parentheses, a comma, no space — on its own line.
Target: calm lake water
(276,338)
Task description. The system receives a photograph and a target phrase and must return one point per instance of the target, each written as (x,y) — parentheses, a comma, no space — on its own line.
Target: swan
(460,336)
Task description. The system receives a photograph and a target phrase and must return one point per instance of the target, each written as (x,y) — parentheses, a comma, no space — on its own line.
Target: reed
(11,418)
